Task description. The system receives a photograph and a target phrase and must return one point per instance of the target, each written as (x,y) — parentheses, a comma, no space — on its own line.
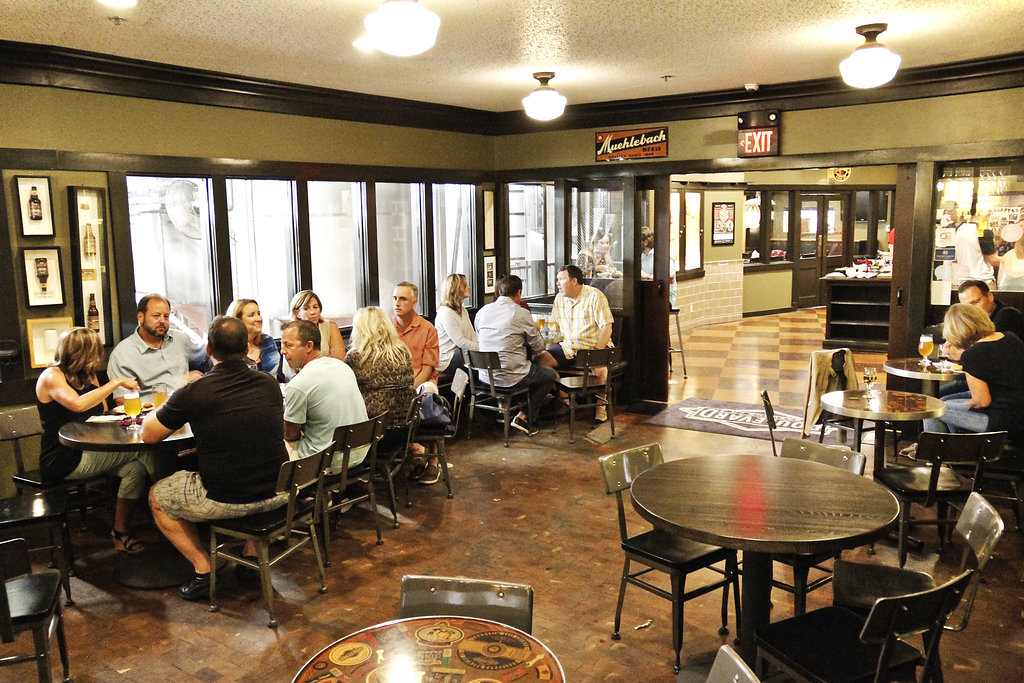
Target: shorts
(183,496)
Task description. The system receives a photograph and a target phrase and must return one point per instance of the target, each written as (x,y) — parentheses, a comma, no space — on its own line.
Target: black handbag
(434,411)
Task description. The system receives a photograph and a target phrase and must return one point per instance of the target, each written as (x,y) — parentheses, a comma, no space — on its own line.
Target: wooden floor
(534,513)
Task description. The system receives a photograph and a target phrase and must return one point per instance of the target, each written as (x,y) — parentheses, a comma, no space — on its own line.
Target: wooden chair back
(974,450)
(507,603)
(834,456)
(18,423)
(620,469)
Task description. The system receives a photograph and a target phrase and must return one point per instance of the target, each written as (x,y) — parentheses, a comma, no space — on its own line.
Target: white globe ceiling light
(872,64)
(544,103)
(402,28)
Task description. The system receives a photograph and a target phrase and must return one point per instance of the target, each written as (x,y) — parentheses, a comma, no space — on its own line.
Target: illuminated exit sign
(758,134)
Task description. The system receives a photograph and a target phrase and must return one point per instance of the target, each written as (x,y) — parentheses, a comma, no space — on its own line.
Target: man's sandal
(126,543)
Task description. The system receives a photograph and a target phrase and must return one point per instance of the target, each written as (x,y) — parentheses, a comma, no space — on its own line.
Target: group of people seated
(246,425)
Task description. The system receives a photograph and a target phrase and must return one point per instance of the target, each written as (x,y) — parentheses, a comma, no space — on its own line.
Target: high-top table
(931,375)
(434,649)
(762,505)
(882,406)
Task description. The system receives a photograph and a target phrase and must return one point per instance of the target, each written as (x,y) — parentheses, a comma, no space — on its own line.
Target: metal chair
(303,480)
(769,414)
(507,603)
(801,563)
(584,390)
(857,585)
(835,644)
(49,509)
(834,365)
(507,401)
(336,495)
(729,667)
(30,601)
(674,312)
(17,423)
(660,550)
(937,484)
(439,436)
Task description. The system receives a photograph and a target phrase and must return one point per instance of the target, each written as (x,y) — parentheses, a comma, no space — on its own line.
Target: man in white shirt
(321,397)
(508,328)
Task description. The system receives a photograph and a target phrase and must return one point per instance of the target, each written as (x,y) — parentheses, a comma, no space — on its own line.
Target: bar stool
(673,349)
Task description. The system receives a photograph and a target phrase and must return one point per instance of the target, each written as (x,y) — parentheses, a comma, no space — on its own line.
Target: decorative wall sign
(43,334)
(723,223)
(490,276)
(86,215)
(43,276)
(34,206)
(641,143)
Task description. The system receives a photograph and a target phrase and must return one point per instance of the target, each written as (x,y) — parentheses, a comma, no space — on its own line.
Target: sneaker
(431,475)
(600,414)
(245,574)
(909,452)
(523,426)
(196,589)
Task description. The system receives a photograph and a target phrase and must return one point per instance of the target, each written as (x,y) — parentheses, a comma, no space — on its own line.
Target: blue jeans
(959,416)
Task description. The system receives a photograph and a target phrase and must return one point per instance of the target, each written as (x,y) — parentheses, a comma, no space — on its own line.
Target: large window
(531,231)
(262,232)
(400,240)
(335,218)
(454,222)
(170,224)
(597,219)
(685,248)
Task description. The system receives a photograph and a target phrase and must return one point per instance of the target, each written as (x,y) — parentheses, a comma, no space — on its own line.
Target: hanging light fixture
(402,28)
(544,103)
(872,64)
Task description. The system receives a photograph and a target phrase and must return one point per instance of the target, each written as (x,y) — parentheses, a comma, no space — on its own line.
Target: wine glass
(924,347)
(870,377)
(132,406)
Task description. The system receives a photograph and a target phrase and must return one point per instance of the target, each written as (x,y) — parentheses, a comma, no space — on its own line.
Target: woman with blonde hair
(262,353)
(596,261)
(993,365)
(69,391)
(306,305)
(454,328)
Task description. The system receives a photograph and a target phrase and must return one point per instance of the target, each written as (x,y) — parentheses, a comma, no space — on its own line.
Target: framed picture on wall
(87,219)
(723,223)
(34,206)
(490,268)
(43,334)
(43,277)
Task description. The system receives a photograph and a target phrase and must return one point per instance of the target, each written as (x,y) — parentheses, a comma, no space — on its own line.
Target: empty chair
(585,390)
(674,312)
(303,480)
(30,601)
(506,401)
(858,585)
(660,550)
(937,484)
(507,603)
(47,509)
(729,667)
(339,482)
(836,644)
(801,563)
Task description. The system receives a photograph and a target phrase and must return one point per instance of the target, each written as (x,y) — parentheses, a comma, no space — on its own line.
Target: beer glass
(924,347)
(159,394)
(132,406)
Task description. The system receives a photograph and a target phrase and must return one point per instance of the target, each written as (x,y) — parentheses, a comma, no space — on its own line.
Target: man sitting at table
(419,335)
(155,354)
(504,326)
(584,319)
(1005,318)
(321,397)
(237,417)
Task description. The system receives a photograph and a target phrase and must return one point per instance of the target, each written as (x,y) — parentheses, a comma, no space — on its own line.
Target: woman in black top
(993,364)
(68,391)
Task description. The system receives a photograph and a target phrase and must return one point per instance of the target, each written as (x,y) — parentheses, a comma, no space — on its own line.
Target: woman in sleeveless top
(68,391)
(306,306)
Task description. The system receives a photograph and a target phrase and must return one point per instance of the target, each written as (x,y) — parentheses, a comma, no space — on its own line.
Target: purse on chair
(434,411)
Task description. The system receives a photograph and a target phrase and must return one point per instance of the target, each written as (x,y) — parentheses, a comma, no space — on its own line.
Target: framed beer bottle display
(34,207)
(88,222)
(43,277)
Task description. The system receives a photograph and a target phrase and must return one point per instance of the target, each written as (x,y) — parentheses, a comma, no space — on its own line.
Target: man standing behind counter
(154,354)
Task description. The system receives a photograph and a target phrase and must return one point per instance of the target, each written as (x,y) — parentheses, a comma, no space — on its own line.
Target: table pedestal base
(756,601)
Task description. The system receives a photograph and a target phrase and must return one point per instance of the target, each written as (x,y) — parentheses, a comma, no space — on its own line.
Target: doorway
(824,237)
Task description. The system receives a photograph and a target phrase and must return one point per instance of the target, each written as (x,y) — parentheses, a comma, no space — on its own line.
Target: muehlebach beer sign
(758,133)
(642,143)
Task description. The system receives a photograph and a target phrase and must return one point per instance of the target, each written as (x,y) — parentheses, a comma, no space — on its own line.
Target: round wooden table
(423,649)
(111,436)
(762,505)
(882,406)
(931,375)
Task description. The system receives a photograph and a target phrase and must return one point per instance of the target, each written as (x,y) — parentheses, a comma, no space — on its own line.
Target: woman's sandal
(125,542)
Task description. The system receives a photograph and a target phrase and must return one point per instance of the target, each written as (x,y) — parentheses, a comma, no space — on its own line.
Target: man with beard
(154,354)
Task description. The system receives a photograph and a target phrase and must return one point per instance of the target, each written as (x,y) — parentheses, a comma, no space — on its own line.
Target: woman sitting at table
(69,391)
(263,354)
(454,328)
(597,261)
(306,306)
(993,365)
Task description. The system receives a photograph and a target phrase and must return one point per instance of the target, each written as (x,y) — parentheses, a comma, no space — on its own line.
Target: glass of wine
(541,324)
(924,347)
(870,377)
(132,406)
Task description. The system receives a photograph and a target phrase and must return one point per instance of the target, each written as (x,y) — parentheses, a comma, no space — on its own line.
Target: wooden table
(111,436)
(882,406)
(931,375)
(762,505)
(434,649)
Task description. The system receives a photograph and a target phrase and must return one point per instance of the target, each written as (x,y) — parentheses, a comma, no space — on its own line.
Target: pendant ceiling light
(402,28)
(544,103)
(872,64)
